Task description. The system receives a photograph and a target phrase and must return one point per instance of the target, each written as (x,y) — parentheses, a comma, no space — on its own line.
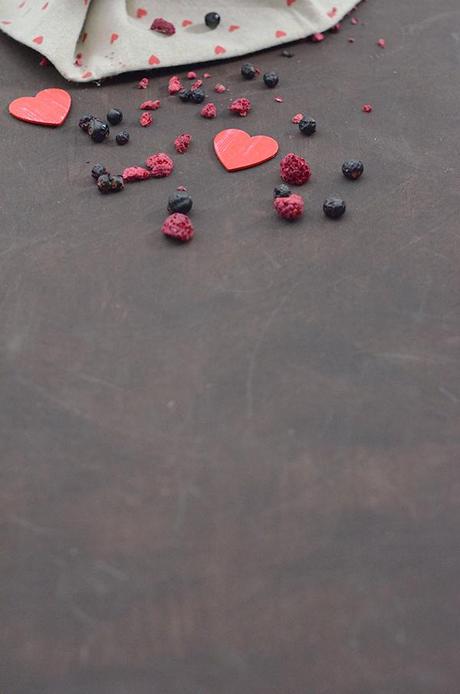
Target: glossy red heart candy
(236,150)
(48,107)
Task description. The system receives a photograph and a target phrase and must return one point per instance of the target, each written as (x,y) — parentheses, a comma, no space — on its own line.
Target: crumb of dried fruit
(336,28)
(150,105)
(178,226)
(294,169)
(174,85)
(135,173)
(191,75)
(160,165)
(209,111)
(145,119)
(143,83)
(206,75)
(289,208)
(381,43)
(44,62)
(241,107)
(220,88)
(182,188)
(279,99)
(197,84)
(297,118)
(318,37)
(182,143)
(163,26)
(351,39)
(366,108)
(354,20)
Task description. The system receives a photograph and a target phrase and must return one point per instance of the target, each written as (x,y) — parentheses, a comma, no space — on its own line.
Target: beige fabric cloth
(90,39)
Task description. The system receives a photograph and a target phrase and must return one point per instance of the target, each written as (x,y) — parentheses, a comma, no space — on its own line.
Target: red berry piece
(220,88)
(318,37)
(366,108)
(206,75)
(160,165)
(381,43)
(241,107)
(174,85)
(191,75)
(179,227)
(209,111)
(150,105)
(135,173)
(289,208)
(182,143)
(294,169)
(145,120)
(197,84)
(163,26)
(297,118)
(143,83)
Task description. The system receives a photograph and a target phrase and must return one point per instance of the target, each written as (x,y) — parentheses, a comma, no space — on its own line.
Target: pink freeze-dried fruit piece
(143,83)
(220,88)
(135,173)
(290,207)
(182,143)
(318,37)
(145,119)
(150,105)
(209,111)
(191,75)
(163,26)
(294,169)
(179,227)
(381,43)
(366,108)
(160,165)
(297,118)
(174,85)
(197,84)
(241,107)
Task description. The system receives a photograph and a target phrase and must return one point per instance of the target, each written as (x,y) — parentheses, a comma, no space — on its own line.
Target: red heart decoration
(153,60)
(140,12)
(279,34)
(236,150)
(48,107)
(218,50)
(233,27)
(186,23)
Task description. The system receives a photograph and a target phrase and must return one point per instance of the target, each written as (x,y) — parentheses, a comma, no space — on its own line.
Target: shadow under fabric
(91,39)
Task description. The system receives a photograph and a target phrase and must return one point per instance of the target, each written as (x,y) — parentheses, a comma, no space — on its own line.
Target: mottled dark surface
(232,467)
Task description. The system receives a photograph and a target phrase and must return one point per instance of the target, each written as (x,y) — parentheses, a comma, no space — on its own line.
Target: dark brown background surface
(232,467)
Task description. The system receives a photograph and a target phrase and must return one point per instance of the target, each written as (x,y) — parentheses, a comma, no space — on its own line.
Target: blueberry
(271,79)
(98,130)
(353,169)
(180,202)
(307,126)
(84,122)
(116,183)
(197,96)
(282,191)
(184,94)
(212,20)
(114,116)
(122,138)
(98,170)
(248,71)
(334,207)
(104,184)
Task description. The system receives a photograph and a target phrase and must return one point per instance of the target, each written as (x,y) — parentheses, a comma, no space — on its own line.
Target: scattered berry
(145,119)
(117,183)
(44,62)
(290,207)
(206,75)
(279,99)
(336,28)
(366,108)
(184,94)
(297,118)
(196,85)
(353,169)
(282,191)
(197,96)
(114,116)
(351,39)
(182,143)
(334,207)
(122,138)
(381,43)
(98,130)
(318,37)
(191,75)
(241,107)
(220,88)
(180,202)
(98,170)
(209,111)
(307,126)
(110,184)
(84,122)
(174,85)
(294,169)
(248,71)
(163,26)
(136,173)
(143,83)
(354,20)
(287,53)
(212,20)
(178,226)
(160,165)
(271,79)
(150,105)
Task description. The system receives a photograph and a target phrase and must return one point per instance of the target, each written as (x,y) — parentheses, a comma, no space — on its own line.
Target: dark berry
(84,122)
(184,94)
(271,79)
(197,96)
(98,130)
(116,183)
(334,207)
(248,71)
(114,116)
(212,20)
(180,202)
(98,170)
(307,126)
(122,138)
(287,53)
(282,191)
(104,184)
(353,169)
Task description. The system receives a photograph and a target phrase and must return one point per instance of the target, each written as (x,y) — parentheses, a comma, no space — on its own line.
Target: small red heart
(186,22)
(218,50)
(153,60)
(279,34)
(332,12)
(141,13)
(233,27)
(38,40)
(236,150)
(48,107)
(114,38)
(289,2)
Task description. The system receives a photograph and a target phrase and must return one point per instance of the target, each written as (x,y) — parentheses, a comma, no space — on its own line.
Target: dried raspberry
(182,143)
(143,83)
(182,188)
(44,62)
(178,226)
(318,37)
(366,108)
(290,207)
(197,84)
(381,43)
(160,165)
(220,88)
(150,105)
(174,85)
(163,26)
(241,107)
(294,169)
(145,119)
(297,118)
(336,28)
(206,75)
(209,111)
(135,173)
(191,75)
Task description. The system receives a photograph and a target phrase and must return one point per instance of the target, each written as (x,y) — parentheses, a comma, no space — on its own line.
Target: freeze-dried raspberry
(135,173)
(241,107)
(220,88)
(290,207)
(318,37)
(143,83)
(160,165)
(366,108)
(163,26)
(174,85)
(197,84)
(191,75)
(209,111)
(145,119)
(182,143)
(150,105)
(178,226)
(297,118)
(294,169)
(381,43)
(206,75)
